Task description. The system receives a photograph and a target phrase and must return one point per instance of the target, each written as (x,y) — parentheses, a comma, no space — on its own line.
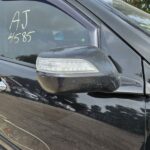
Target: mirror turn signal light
(64,65)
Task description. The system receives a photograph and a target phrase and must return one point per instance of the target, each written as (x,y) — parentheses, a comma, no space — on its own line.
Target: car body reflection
(69,121)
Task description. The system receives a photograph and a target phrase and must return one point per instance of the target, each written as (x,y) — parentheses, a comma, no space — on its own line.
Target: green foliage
(141,4)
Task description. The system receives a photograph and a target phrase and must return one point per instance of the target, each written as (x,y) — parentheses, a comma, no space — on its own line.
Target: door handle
(3,86)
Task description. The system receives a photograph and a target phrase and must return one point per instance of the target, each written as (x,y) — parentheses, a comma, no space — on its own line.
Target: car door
(147,92)
(31,118)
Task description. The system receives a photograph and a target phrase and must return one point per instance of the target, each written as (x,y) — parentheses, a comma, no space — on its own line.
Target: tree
(141,4)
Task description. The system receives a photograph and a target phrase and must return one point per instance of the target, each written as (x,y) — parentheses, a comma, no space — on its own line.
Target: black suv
(74,75)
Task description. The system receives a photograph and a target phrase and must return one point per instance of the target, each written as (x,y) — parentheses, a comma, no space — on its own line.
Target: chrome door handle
(3,86)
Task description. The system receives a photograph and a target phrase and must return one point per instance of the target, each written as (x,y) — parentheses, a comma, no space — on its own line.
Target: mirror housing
(79,69)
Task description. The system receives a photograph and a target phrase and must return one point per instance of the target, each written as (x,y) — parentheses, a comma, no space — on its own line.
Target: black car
(74,75)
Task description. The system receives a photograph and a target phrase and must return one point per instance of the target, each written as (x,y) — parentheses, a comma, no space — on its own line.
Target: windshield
(134,15)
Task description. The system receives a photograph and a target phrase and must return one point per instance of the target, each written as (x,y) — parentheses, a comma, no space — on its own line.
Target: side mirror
(80,69)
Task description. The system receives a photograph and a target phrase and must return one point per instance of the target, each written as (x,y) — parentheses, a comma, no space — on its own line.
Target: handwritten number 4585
(26,37)
(18,23)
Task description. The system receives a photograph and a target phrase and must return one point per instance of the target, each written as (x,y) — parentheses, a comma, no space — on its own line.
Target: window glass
(126,60)
(134,15)
(28,28)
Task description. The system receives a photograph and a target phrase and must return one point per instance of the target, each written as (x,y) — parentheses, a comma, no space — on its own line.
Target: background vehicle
(43,108)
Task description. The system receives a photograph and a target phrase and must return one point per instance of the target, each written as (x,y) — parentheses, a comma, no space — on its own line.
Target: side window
(28,28)
(126,60)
